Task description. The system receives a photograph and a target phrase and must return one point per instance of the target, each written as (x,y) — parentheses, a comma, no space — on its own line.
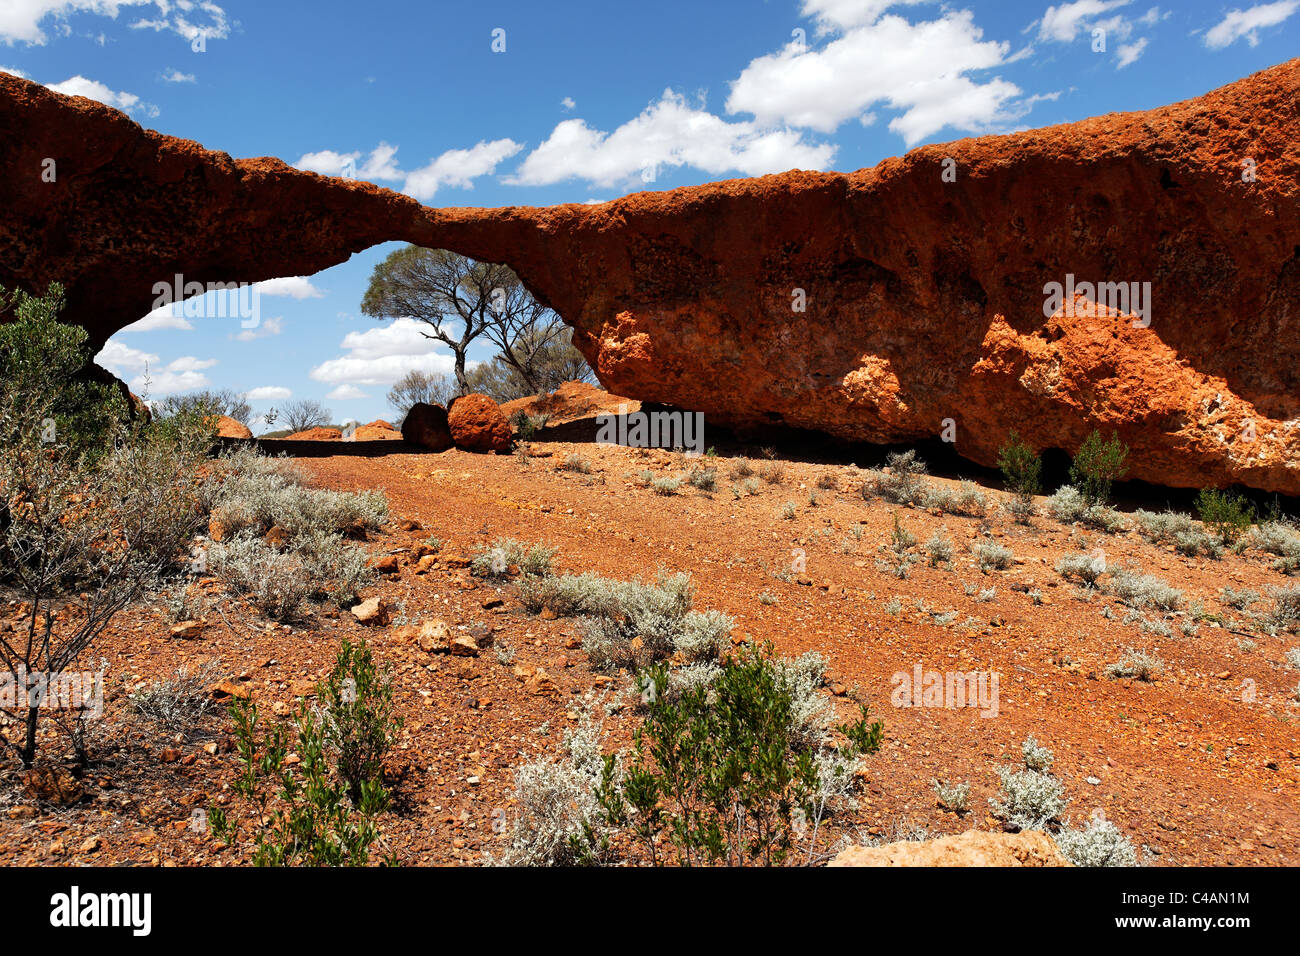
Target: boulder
(426,425)
(972,848)
(228,427)
(478,424)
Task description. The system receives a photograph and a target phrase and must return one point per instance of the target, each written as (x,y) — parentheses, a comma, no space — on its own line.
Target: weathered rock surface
(426,425)
(478,424)
(972,848)
(228,427)
(923,299)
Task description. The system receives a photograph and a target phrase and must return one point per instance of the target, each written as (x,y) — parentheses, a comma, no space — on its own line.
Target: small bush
(992,556)
(939,550)
(1286,607)
(904,484)
(1029,800)
(788,511)
(1022,470)
(1143,590)
(495,561)
(954,797)
(1081,567)
(1163,528)
(1228,515)
(1099,844)
(1139,665)
(357,716)
(1067,505)
(577,463)
(180,703)
(705,479)
(1097,465)
(1241,600)
(1036,756)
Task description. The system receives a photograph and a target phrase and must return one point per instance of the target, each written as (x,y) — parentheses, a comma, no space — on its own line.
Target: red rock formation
(228,427)
(478,424)
(426,425)
(923,297)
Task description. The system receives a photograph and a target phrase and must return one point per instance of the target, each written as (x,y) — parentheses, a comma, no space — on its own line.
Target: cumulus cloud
(455,167)
(1239,24)
(164,317)
(121,359)
(346,393)
(26,21)
(381,356)
(15,71)
(1070,21)
(184,374)
(268,393)
(923,70)
(265,329)
(176,76)
(668,133)
(292,287)
(95,90)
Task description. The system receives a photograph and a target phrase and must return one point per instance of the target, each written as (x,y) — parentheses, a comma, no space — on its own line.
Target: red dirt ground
(1184,765)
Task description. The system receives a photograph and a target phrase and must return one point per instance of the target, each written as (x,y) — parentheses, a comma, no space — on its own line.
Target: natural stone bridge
(922,294)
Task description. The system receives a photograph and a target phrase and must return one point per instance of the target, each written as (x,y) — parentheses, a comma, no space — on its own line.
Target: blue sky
(510,103)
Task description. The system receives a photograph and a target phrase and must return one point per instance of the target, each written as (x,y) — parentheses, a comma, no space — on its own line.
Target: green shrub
(1022,470)
(1097,465)
(1226,514)
(719,772)
(357,716)
(297,815)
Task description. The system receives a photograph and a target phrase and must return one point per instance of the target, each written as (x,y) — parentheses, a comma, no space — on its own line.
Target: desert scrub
(1029,799)
(317,567)
(1035,756)
(566,595)
(1085,568)
(1097,465)
(952,796)
(1286,607)
(705,479)
(767,599)
(1022,470)
(938,550)
(1098,844)
(561,821)
(1163,527)
(634,624)
(788,511)
(180,703)
(357,716)
(740,740)
(295,814)
(665,486)
(1228,515)
(1138,665)
(496,560)
(576,462)
(904,482)
(992,556)
(1139,591)
(528,426)
(1067,505)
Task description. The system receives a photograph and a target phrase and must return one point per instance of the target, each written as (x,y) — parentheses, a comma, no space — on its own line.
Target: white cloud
(459,167)
(176,76)
(919,69)
(95,90)
(15,71)
(265,329)
(120,359)
(1062,24)
(381,356)
(668,133)
(164,317)
(1065,24)
(455,167)
(292,287)
(346,393)
(1247,23)
(267,393)
(836,15)
(25,21)
(567,104)
(181,375)
(1129,52)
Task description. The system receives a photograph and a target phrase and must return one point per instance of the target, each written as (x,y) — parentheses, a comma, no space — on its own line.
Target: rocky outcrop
(884,305)
(478,424)
(426,425)
(228,427)
(972,848)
